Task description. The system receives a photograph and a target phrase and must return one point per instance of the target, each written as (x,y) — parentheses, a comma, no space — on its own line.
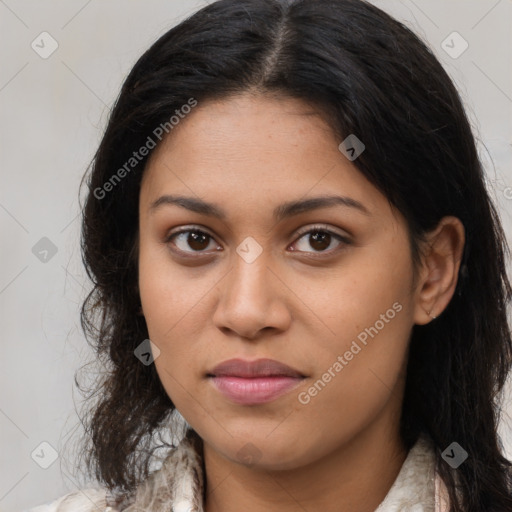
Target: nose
(253,300)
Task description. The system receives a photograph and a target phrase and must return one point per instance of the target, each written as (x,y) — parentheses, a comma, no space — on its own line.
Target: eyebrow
(281,212)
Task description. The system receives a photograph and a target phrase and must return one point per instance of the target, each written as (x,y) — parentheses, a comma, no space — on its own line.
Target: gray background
(53,112)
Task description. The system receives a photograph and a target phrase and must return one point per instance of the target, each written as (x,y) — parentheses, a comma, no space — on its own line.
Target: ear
(439,270)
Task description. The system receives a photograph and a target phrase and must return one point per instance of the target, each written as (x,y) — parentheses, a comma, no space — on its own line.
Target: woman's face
(325,288)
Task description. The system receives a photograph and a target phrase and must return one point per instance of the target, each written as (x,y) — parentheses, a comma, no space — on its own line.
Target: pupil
(319,240)
(195,240)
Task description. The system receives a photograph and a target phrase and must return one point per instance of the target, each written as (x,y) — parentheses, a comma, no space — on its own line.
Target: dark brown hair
(373,77)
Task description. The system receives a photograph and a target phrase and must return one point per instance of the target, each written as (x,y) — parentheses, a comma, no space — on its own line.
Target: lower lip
(256,390)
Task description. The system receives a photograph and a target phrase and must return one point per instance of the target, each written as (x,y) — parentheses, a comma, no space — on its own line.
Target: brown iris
(195,240)
(319,240)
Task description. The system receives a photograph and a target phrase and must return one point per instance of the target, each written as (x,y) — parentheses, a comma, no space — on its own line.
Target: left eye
(320,239)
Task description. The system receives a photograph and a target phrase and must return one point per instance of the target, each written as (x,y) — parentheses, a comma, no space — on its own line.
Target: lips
(251,369)
(254,382)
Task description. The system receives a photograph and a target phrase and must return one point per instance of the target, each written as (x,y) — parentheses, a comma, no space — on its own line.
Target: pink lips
(254,382)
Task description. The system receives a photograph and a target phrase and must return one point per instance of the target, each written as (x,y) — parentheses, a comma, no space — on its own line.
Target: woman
(288,202)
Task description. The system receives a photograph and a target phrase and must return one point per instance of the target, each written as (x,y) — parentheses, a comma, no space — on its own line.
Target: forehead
(253,148)
(238,124)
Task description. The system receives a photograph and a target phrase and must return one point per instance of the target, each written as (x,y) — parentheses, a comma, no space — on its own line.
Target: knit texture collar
(178,486)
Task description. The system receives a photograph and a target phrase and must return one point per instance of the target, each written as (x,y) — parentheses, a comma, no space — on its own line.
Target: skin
(248,154)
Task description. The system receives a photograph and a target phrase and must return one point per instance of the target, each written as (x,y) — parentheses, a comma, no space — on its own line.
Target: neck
(356,477)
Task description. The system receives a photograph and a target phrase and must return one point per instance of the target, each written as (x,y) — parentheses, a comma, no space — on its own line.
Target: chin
(260,452)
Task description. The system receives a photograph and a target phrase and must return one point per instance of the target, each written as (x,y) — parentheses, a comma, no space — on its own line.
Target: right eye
(187,238)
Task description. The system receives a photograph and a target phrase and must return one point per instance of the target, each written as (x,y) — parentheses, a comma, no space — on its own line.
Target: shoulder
(176,484)
(86,500)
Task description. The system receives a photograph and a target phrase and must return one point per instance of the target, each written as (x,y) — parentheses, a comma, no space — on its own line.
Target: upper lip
(258,368)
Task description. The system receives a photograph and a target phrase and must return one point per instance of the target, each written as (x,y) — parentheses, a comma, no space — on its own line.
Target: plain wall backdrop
(53,112)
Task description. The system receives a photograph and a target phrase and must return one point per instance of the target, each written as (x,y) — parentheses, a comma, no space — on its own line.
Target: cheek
(357,375)
(361,292)
(169,314)
(169,302)
(175,304)
(168,295)
(367,309)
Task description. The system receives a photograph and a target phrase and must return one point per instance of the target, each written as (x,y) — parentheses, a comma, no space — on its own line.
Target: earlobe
(441,263)
(431,316)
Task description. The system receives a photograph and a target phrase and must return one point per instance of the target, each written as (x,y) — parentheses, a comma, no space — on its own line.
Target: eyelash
(314,229)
